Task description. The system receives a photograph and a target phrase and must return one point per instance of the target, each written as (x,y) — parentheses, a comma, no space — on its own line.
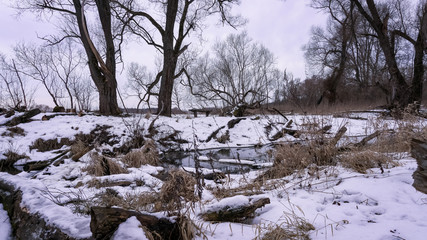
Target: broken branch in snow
(235,213)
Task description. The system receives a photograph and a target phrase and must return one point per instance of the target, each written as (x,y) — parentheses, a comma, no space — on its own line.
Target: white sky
(282,26)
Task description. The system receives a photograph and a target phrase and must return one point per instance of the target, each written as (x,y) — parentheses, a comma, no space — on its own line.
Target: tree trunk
(417,81)
(103,74)
(169,61)
(108,99)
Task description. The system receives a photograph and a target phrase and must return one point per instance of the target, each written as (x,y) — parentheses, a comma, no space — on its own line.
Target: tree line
(371,47)
(367,49)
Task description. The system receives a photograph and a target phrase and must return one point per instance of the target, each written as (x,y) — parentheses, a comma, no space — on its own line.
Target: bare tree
(139,84)
(66,63)
(101,57)
(378,18)
(329,49)
(35,62)
(239,75)
(412,31)
(16,91)
(83,92)
(167,30)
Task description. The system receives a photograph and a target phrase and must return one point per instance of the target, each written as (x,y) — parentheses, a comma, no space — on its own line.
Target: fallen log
(40,165)
(26,225)
(292,132)
(237,213)
(105,221)
(234,122)
(23,119)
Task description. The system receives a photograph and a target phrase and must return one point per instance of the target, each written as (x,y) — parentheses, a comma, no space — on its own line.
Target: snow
(5,226)
(340,204)
(130,230)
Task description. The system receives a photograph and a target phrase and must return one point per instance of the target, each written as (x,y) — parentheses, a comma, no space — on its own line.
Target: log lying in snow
(235,212)
(419,152)
(105,221)
(24,118)
(26,225)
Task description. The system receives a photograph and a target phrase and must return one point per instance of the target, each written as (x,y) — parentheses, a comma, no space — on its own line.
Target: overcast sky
(282,26)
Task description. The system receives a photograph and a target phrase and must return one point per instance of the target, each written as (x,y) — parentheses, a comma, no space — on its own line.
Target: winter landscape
(337,190)
(213,119)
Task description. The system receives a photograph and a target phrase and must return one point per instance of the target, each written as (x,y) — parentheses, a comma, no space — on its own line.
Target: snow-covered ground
(340,204)
(5,227)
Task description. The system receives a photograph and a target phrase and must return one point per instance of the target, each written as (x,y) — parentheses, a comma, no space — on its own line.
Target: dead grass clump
(362,160)
(148,154)
(12,131)
(187,227)
(48,145)
(288,158)
(145,201)
(109,198)
(224,138)
(279,233)
(11,158)
(292,157)
(102,166)
(78,149)
(178,187)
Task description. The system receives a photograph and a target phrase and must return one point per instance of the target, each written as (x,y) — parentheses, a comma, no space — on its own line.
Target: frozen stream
(228,160)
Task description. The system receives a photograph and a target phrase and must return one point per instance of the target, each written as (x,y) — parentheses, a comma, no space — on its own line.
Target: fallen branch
(235,213)
(24,118)
(338,136)
(281,114)
(40,165)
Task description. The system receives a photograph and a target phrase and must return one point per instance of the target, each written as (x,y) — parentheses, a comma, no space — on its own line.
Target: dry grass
(11,158)
(148,154)
(362,160)
(48,145)
(293,227)
(12,131)
(78,149)
(279,233)
(288,158)
(292,157)
(179,186)
(102,166)
(397,133)
(224,138)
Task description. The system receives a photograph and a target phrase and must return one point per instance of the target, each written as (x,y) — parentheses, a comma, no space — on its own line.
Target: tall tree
(331,51)
(102,66)
(401,94)
(417,39)
(178,18)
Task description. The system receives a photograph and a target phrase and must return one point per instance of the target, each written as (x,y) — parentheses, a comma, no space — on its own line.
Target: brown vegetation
(148,154)
(179,186)
(102,166)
